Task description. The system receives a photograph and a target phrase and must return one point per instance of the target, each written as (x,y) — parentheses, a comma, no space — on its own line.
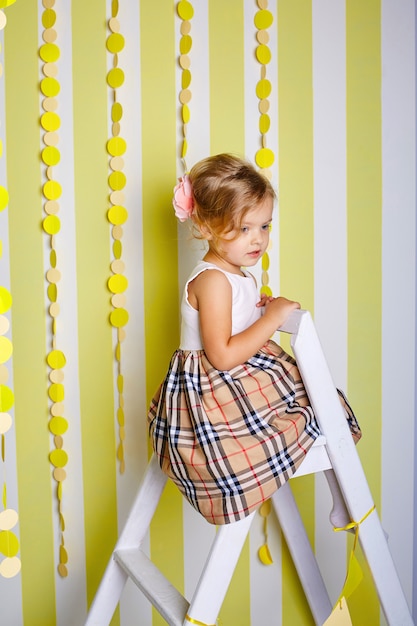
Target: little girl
(231,422)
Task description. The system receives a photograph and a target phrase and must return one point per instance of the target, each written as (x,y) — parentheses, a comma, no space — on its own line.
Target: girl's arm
(211,294)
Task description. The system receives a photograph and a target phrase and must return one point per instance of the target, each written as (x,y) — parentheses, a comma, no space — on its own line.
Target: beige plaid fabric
(229,439)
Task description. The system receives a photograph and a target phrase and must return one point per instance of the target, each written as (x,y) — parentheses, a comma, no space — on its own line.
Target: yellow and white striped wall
(343,131)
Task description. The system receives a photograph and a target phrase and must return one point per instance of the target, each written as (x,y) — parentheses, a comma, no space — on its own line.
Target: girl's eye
(244,229)
(266,226)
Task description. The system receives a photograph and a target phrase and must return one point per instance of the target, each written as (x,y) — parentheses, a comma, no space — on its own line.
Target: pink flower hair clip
(183,201)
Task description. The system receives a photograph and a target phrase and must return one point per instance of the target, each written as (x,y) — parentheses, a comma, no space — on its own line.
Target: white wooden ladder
(334,450)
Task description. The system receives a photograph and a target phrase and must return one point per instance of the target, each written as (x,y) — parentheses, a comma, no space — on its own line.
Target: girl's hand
(264,300)
(279,309)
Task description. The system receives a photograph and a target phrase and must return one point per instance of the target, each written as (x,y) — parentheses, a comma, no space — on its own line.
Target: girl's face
(245,249)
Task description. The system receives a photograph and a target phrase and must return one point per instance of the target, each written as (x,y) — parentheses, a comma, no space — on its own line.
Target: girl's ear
(205,232)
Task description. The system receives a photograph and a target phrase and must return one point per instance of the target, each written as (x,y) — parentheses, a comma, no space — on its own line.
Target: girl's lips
(255,253)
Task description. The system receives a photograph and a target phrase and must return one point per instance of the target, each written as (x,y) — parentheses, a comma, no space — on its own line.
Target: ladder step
(160,592)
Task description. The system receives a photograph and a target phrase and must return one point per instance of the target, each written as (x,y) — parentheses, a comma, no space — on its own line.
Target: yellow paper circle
(56,376)
(51,156)
(185,79)
(5,422)
(185,96)
(52,292)
(117,215)
(53,275)
(185,114)
(114,25)
(48,18)
(9,544)
(59,474)
(50,104)
(8,519)
(4,324)
(184,61)
(5,300)
(52,190)
(50,69)
(50,87)
(6,398)
(51,224)
(116,146)
(4,198)
(117,249)
(58,458)
(50,121)
(116,112)
(263,88)
(58,425)
(117,181)
(56,392)
(6,3)
(117,163)
(265,262)
(116,77)
(117,283)
(185,10)
(264,157)
(264,123)
(4,375)
(49,52)
(115,43)
(185,44)
(52,208)
(6,349)
(262,36)
(56,359)
(263,54)
(263,19)
(119,317)
(49,35)
(10,567)
(51,138)
(266,290)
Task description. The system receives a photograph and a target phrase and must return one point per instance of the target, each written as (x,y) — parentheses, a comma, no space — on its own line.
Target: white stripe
(74,586)
(398,280)
(10,589)
(252,135)
(330,271)
(191,250)
(133,347)
(265,580)
(198,534)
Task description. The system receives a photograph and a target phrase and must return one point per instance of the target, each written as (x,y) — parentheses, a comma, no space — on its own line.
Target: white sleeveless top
(244,310)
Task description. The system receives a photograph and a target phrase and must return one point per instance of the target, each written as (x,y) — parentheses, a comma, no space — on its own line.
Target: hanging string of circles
(264,159)
(50,120)
(117,215)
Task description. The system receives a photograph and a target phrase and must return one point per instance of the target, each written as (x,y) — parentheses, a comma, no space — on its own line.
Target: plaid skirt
(229,439)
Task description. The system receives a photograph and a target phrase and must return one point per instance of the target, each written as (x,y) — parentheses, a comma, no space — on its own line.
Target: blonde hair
(225,188)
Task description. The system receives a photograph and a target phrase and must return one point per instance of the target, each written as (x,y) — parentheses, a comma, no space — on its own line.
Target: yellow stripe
(159,146)
(227,97)
(93,258)
(227,134)
(296,215)
(28,317)
(364,198)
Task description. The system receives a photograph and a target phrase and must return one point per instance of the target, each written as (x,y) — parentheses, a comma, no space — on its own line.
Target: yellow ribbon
(196,621)
(354,573)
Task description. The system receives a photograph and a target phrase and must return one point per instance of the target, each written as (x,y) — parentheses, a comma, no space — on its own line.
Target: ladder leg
(218,571)
(302,554)
(375,548)
(137,523)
